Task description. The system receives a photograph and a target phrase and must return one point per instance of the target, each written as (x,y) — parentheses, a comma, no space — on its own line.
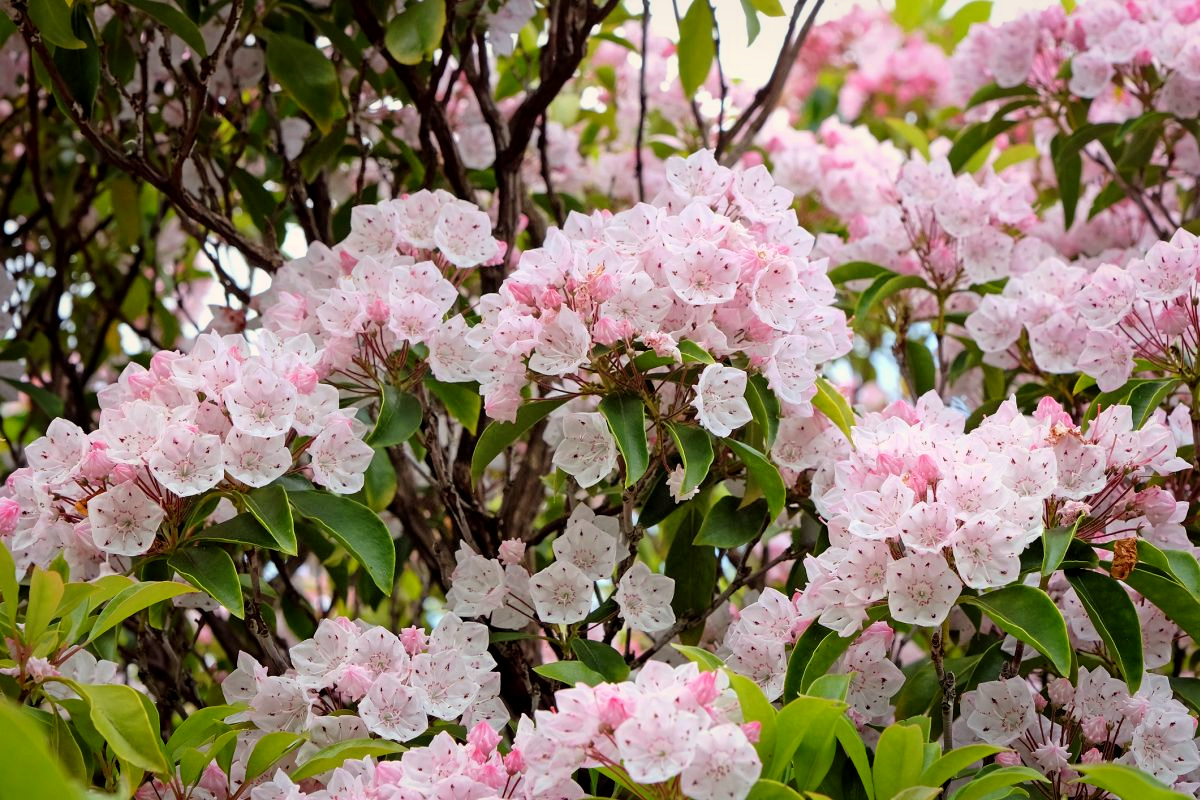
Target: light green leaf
(954,762)
(728,525)
(356,528)
(1125,782)
(830,402)
(762,474)
(270,750)
(29,767)
(336,754)
(899,757)
(911,134)
(52,18)
(415,32)
(199,727)
(987,784)
(45,592)
(702,658)
(766,789)
(9,588)
(135,598)
(462,400)
(1029,614)
(697,46)
(120,717)
(211,570)
(756,708)
(626,416)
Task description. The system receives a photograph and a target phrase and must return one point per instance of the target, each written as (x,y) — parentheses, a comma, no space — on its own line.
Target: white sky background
(754,65)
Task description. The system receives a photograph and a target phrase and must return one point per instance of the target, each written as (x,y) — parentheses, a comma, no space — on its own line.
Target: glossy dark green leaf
(270,507)
(857,270)
(921,367)
(695,448)
(462,400)
(882,288)
(497,436)
(728,525)
(242,529)
(601,658)
(570,673)
(308,76)
(211,570)
(175,21)
(1029,614)
(830,402)
(52,18)
(399,418)
(355,527)
(762,474)
(626,416)
(80,67)
(1116,620)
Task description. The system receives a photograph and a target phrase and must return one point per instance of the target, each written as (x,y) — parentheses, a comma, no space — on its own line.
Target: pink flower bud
(353,681)
(549,299)
(1092,756)
(1061,692)
(1157,504)
(1008,759)
(514,762)
(511,552)
(483,739)
(1095,729)
(1040,702)
(753,731)
(304,378)
(522,292)
(414,640)
(608,331)
(603,286)
(704,687)
(10,512)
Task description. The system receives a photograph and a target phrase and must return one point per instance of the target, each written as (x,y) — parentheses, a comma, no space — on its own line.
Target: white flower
(720,400)
(645,599)
(393,710)
(253,460)
(725,765)
(587,451)
(562,344)
(1002,711)
(588,546)
(561,593)
(124,520)
(477,584)
(464,234)
(921,589)
(187,462)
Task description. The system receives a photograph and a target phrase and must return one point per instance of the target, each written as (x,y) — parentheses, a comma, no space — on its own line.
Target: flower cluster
(388,286)
(1095,719)
(586,553)
(1099,322)
(395,682)
(227,414)
(718,260)
(921,508)
(1109,45)
(668,724)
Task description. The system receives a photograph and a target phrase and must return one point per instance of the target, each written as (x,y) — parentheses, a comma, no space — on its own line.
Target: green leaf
(728,525)
(29,767)
(813,656)
(133,599)
(700,657)
(970,14)
(763,474)
(918,793)
(1015,154)
(10,590)
(693,353)
(52,18)
(462,400)
(415,33)
(199,727)
(570,673)
(975,137)
(954,762)
(697,46)
(80,67)
(994,92)
(399,417)
(355,527)
(1187,690)
(1029,614)
(626,416)
(831,687)
(909,133)
(1147,397)
(1115,618)
(497,436)
(768,8)
(756,708)
(766,789)
(270,507)
(884,287)
(63,744)
(753,26)
(852,744)
(1126,783)
(1168,596)
(693,567)
(764,407)
(988,784)
(695,448)
(175,21)
(856,271)
(307,75)
(120,717)
(1055,542)
(1068,169)
(830,402)
(899,757)
(269,750)
(242,529)
(602,659)
(920,364)
(336,754)
(45,591)
(807,722)
(211,570)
